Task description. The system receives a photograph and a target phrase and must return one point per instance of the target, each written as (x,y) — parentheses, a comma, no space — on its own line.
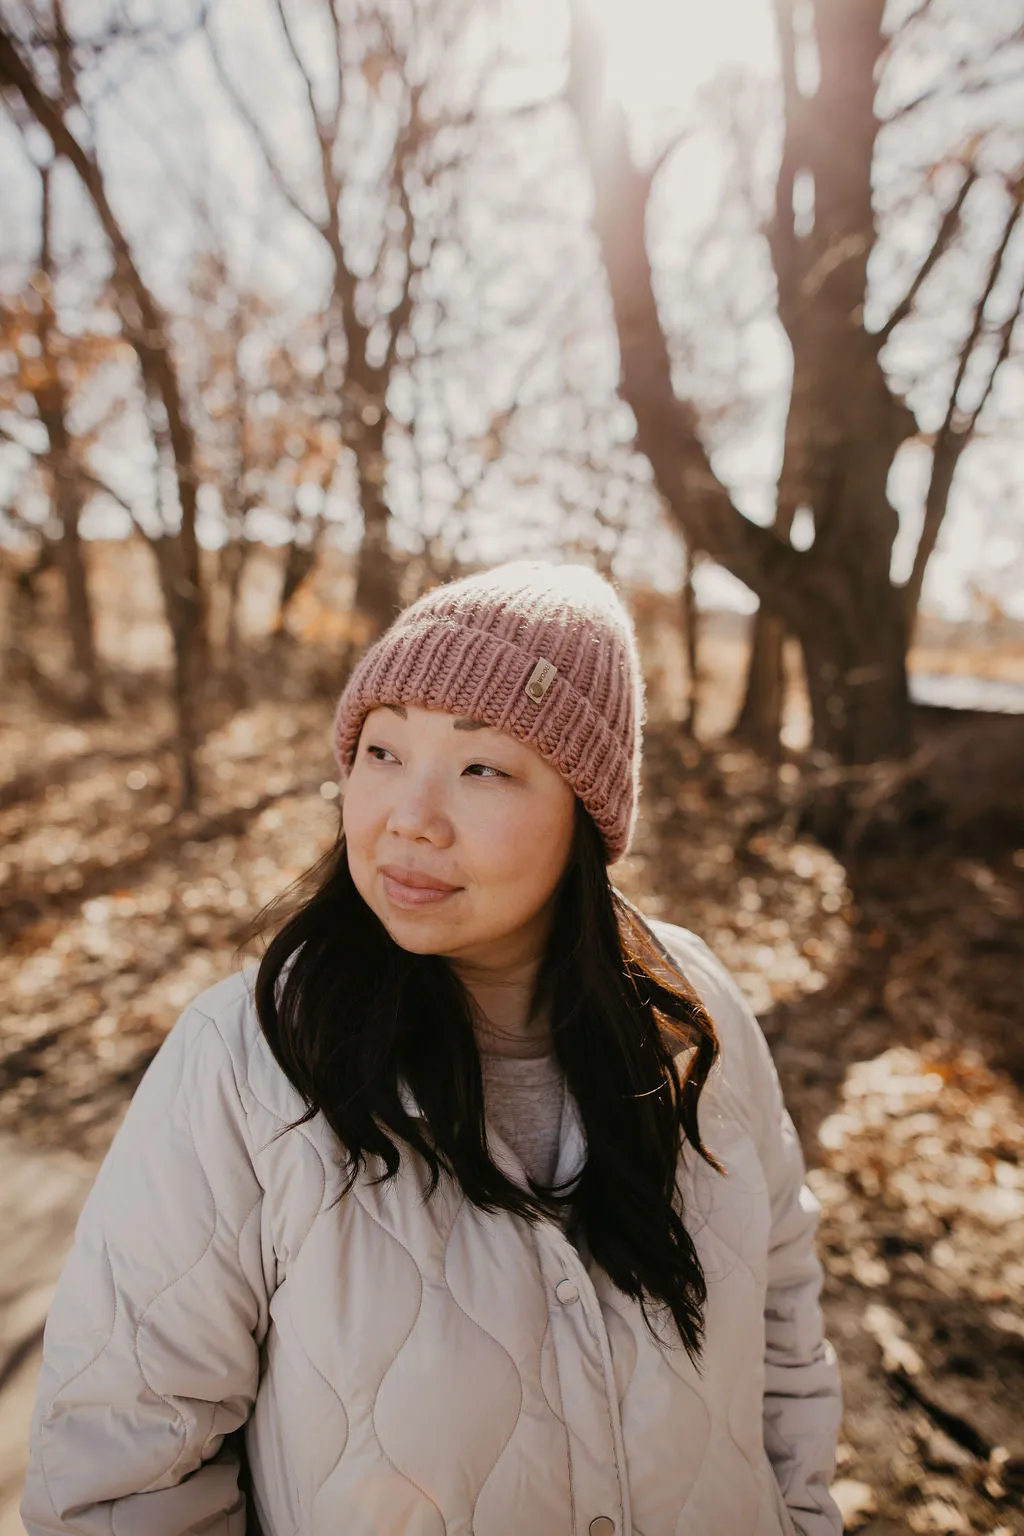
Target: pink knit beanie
(544,652)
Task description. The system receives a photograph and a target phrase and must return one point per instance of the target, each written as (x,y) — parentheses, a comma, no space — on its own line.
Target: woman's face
(457,835)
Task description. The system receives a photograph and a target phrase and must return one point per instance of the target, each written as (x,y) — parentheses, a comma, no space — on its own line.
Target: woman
(478,1206)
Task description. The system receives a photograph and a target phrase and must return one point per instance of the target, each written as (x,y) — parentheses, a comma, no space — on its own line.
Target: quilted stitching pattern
(406,1366)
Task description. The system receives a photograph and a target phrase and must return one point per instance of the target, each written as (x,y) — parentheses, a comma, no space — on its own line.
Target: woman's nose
(418,811)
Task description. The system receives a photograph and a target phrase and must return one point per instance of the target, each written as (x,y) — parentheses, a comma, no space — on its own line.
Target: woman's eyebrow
(461,722)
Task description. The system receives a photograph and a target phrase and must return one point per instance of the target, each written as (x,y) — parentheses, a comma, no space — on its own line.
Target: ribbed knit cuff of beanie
(544,652)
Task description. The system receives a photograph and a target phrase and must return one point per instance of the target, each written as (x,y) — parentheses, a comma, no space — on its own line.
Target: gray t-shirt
(523,1098)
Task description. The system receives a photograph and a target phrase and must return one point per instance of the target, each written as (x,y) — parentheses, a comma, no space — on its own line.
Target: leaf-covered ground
(889,986)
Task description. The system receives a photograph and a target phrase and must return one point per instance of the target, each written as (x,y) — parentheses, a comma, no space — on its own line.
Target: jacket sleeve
(150,1353)
(803,1390)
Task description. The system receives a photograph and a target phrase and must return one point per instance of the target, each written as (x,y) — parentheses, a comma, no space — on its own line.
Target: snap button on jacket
(421,1369)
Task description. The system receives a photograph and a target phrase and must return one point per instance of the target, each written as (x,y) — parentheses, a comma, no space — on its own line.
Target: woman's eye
(476,770)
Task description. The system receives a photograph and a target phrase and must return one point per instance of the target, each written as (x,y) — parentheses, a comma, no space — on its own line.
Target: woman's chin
(420,931)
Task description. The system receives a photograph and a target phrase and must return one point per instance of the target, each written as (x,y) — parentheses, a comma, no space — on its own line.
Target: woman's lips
(407,889)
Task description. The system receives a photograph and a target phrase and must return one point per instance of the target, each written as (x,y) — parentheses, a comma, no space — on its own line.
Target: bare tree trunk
(189,658)
(688,615)
(234,559)
(67,501)
(300,560)
(376,598)
(855,662)
(51,403)
(19,662)
(759,721)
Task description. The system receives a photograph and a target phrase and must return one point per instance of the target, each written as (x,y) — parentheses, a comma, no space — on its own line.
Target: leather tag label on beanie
(540,679)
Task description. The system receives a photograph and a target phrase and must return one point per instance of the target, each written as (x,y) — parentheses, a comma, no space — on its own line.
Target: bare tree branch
(7,436)
(946,90)
(960,81)
(400,316)
(104,488)
(948,226)
(63,48)
(293,49)
(327,137)
(675,141)
(95,482)
(958,426)
(978,321)
(339,51)
(1005,334)
(270,160)
(11,511)
(781,232)
(343,281)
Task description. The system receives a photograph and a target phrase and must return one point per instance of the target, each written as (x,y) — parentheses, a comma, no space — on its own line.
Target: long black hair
(349,1016)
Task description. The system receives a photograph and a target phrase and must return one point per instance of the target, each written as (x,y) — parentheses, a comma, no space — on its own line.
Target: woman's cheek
(529,849)
(361,800)
(505,839)
(357,824)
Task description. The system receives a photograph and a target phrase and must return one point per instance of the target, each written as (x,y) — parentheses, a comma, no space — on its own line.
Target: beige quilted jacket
(411,1369)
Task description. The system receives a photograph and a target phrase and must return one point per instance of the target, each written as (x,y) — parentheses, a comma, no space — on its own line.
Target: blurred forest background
(307,305)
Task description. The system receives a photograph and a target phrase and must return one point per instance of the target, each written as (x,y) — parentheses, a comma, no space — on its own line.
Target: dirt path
(40,1197)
